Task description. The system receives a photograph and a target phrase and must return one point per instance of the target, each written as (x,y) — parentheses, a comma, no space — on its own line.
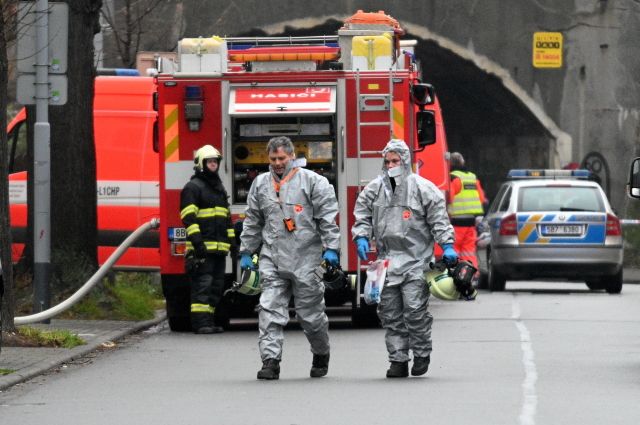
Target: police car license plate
(177,233)
(562,229)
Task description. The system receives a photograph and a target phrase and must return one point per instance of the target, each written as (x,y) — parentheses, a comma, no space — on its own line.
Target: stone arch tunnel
(501,110)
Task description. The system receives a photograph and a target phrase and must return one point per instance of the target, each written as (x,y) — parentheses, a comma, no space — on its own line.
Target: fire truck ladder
(368,103)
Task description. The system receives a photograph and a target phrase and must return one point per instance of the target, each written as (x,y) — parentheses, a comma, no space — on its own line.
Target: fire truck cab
(339,98)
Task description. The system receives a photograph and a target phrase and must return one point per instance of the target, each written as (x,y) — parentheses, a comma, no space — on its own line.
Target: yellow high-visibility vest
(467,201)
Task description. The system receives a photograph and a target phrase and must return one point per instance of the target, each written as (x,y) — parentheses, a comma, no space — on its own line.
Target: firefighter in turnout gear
(466,202)
(204,210)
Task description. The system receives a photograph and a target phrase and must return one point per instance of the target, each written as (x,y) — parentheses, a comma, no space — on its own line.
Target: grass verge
(129,296)
(4,372)
(50,338)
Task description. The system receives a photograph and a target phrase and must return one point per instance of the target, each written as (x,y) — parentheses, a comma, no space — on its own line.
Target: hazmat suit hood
(400,147)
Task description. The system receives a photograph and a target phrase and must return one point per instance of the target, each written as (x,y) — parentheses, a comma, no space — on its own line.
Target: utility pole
(42,64)
(42,164)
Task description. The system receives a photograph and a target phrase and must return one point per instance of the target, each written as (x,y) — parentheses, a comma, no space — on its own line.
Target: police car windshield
(560,198)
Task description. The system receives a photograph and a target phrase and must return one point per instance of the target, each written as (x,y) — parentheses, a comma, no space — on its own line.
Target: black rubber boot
(270,369)
(398,370)
(420,365)
(320,365)
(202,323)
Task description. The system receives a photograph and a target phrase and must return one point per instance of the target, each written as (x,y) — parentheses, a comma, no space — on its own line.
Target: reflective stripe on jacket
(204,210)
(467,201)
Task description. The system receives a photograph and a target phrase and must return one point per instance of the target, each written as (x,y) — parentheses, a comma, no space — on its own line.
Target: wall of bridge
(500,111)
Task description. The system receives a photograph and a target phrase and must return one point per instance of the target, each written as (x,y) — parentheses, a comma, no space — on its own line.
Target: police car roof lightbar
(549,174)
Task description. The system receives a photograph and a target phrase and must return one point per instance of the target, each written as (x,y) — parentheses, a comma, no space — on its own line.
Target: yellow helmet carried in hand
(441,285)
(205,152)
(249,280)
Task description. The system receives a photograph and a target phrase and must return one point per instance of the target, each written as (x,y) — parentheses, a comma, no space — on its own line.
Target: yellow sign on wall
(547,49)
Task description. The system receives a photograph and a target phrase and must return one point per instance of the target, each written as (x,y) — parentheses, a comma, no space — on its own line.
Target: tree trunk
(73,162)
(5,233)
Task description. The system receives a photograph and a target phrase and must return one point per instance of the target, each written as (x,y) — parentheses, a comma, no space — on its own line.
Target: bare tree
(73,164)
(126,21)
(8,305)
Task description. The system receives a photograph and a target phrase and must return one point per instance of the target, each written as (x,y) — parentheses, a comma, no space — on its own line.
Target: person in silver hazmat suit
(290,219)
(405,213)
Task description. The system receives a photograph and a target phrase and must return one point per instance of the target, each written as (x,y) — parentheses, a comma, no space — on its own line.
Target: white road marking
(530,398)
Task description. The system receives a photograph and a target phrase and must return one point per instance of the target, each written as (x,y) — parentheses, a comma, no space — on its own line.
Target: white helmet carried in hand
(205,152)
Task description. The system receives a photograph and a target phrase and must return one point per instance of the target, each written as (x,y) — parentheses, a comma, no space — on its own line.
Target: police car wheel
(483,280)
(495,280)
(614,283)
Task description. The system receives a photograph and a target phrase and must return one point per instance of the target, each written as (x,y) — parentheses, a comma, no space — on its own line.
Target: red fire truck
(339,98)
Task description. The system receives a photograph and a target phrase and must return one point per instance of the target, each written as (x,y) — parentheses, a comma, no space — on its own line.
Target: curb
(79,351)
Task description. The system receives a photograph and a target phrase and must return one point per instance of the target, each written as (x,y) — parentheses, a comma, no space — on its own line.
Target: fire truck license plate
(177,233)
(562,229)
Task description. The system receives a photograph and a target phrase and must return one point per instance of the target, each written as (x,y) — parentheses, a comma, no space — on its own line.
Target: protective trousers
(406,320)
(207,286)
(308,298)
(465,244)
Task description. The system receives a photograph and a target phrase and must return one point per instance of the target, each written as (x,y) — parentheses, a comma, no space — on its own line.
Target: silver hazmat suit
(288,259)
(404,223)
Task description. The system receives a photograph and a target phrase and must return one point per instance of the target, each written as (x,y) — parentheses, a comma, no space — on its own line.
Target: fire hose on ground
(97,277)
(102,271)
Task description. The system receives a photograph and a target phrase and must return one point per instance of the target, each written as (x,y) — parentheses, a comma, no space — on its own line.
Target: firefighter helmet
(335,279)
(441,284)
(250,282)
(205,152)
(462,275)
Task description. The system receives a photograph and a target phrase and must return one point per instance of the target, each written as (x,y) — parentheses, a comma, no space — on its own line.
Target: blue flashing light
(548,174)
(126,72)
(517,173)
(193,92)
(119,72)
(582,174)
(233,46)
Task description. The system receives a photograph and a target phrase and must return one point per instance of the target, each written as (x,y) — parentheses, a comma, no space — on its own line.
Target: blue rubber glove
(246,262)
(449,255)
(363,247)
(331,257)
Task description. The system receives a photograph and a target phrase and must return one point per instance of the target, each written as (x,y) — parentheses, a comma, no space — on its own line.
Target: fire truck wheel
(176,293)
(365,316)
(222,315)
(179,324)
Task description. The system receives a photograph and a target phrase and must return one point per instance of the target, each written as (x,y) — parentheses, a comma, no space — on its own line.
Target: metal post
(41,167)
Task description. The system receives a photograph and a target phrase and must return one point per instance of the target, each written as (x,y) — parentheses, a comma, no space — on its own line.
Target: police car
(553,224)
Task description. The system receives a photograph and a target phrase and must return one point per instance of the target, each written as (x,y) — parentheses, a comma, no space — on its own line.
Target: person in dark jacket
(204,210)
